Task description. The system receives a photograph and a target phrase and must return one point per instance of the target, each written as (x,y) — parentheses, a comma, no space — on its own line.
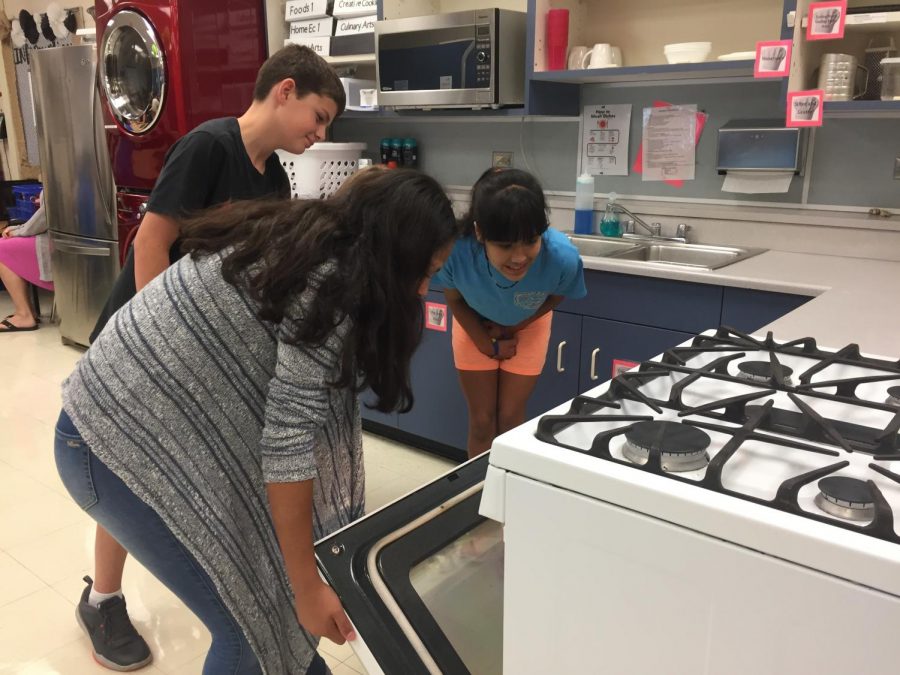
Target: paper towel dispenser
(758,145)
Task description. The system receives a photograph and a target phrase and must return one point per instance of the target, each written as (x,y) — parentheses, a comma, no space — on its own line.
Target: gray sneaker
(117,645)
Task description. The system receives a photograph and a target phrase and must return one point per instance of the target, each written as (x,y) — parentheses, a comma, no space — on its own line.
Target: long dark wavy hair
(380,231)
(508,205)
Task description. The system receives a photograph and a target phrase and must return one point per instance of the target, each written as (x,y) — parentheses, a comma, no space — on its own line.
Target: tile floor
(46,542)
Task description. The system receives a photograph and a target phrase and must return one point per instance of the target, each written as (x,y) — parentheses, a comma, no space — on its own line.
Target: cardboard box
(302,10)
(347,8)
(356,25)
(320,45)
(315,28)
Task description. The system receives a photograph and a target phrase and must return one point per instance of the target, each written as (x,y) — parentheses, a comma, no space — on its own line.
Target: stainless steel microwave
(470,59)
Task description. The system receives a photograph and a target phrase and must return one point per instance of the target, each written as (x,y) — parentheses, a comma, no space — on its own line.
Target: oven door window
(445,58)
(422,580)
(462,587)
(132,72)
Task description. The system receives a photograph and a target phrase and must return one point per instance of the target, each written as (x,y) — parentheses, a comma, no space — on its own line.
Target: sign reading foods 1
(301,10)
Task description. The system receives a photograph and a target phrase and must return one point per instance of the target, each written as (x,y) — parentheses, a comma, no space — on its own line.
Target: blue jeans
(136,526)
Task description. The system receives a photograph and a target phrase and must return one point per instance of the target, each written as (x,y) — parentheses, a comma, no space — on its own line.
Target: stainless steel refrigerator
(79,190)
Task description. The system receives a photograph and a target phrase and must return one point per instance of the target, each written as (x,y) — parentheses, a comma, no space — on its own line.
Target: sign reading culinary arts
(356,24)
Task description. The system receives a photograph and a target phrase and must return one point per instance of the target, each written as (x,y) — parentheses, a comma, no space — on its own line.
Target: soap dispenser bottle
(584,204)
(609,223)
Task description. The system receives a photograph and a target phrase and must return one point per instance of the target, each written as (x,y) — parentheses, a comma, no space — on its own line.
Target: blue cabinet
(623,318)
(439,411)
(749,310)
(559,380)
(648,301)
(603,342)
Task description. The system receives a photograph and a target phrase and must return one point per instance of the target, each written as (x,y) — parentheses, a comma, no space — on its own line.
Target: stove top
(788,425)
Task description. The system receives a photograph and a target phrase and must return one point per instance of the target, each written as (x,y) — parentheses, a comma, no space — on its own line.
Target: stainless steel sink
(600,247)
(698,256)
(655,252)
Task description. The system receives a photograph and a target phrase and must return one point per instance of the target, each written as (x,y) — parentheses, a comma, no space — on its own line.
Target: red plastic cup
(557,38)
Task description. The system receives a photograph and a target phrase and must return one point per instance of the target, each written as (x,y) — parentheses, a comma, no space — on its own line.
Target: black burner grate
(754,420)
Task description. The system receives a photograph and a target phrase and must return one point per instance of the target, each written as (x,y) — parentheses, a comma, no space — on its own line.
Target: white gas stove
(728,507)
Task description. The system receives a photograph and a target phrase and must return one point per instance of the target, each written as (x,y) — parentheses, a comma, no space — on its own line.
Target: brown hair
(309,71)
(376,238)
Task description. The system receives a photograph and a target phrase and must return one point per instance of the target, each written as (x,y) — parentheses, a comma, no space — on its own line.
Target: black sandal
(37,319)
(10,327)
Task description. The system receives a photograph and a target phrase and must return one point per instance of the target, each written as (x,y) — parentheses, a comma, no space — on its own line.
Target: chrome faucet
(654,230)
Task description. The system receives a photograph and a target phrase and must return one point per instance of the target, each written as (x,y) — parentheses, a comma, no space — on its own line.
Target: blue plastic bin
(26,192)
(20,213)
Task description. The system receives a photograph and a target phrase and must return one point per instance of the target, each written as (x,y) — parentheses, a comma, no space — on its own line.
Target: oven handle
(594,363)
(559,354)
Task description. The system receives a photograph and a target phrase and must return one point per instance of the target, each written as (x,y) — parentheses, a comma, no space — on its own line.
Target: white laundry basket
(322,169)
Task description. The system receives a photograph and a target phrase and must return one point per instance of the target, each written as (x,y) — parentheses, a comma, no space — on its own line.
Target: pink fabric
(20,255)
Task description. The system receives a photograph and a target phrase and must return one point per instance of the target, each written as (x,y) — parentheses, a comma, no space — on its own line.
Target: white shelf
(352,58)
(875,22)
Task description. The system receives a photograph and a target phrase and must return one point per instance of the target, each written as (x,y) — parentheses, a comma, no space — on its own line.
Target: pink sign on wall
(805,108)
(773,59)
(826,20)
(619,366)
(435,316)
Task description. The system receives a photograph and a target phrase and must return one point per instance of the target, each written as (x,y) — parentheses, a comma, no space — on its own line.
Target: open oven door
(422,580)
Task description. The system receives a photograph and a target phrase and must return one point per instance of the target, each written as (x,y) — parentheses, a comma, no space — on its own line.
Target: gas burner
(682,447)
(764,372)
(847,498)
(893,396)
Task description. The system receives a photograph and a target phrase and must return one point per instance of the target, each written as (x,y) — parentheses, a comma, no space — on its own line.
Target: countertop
(855,300)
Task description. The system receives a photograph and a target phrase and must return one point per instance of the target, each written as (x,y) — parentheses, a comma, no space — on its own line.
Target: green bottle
(609,224)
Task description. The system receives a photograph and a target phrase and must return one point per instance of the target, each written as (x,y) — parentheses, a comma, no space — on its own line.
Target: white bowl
(687,52)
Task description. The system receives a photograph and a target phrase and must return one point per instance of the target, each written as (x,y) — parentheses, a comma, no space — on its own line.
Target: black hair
(508,205)
(309,71)
(375,240)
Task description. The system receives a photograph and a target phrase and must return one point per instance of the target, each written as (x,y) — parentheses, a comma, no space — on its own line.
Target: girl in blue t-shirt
(502,280)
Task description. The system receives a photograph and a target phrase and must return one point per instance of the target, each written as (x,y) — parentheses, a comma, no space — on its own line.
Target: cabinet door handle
(594,363)
(559,351)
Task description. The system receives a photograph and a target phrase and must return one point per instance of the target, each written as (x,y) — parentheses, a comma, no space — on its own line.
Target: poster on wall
(773,59)
(826,20)
(805,108)
(605,131)
(669,147)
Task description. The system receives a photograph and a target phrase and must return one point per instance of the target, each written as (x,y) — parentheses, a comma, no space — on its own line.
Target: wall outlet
(896,168)
(503,160)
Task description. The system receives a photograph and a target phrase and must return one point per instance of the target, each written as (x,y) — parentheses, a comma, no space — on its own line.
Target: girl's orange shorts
(531,350)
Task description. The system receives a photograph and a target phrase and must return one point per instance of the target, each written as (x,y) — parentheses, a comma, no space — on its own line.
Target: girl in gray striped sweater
(213,427)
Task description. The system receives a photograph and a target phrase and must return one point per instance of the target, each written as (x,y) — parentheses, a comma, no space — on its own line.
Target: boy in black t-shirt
(296,96)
